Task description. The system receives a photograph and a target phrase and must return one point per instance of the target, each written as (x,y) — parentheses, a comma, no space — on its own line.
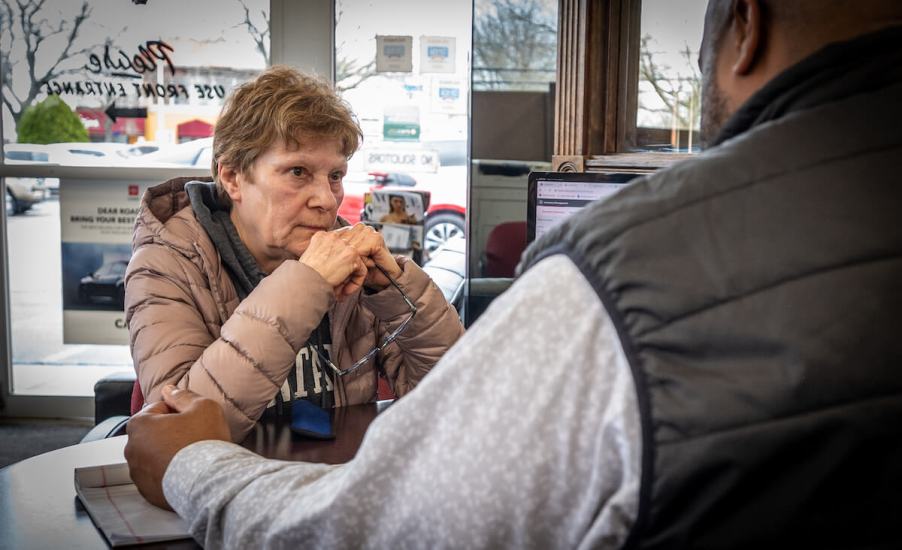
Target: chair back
(503,248)
(137,398)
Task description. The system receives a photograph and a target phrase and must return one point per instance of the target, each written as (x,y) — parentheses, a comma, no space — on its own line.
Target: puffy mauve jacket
(187,327)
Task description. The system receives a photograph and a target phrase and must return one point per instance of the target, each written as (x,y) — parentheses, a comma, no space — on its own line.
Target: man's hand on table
(161,430)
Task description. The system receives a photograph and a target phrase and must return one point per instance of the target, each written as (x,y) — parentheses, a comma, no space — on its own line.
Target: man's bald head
(746,43)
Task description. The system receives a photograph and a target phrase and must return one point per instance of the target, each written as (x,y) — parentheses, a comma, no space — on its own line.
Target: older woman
(251,291)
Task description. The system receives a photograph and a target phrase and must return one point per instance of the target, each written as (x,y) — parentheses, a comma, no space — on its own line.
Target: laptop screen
(555,196)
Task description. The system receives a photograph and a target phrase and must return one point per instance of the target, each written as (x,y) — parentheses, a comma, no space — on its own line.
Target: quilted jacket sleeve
(243,364)
(434,329)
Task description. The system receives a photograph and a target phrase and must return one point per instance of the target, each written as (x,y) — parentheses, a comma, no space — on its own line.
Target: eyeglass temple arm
(394,283)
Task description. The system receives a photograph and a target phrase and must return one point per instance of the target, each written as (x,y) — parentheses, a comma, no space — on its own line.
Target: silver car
(22,194)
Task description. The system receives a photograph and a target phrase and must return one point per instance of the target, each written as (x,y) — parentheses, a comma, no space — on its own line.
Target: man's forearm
(209,482)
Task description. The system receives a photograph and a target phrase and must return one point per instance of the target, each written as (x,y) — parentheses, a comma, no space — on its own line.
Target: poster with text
(394,54)
(96,222)
(437,54)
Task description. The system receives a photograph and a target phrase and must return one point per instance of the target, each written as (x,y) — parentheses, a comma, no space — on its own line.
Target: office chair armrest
(111,427)
(112,395)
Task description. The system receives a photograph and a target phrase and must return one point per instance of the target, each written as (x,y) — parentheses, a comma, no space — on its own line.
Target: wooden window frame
(598,89)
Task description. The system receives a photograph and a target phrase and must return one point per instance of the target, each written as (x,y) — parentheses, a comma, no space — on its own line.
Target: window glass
(669,78)
(404,70)
(107,75)
(99,83)
(514,71)
(514,44)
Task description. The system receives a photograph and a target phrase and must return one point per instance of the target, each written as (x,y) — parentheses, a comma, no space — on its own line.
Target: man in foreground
(709,359)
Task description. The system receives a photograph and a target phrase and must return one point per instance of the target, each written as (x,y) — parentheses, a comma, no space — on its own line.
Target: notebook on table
(120,512)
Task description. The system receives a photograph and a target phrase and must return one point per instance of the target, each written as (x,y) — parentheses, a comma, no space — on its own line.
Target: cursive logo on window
(149,56)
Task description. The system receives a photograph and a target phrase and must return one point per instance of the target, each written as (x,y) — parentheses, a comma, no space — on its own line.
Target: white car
(86,154)
(138,149)
(198,152)
(23,193)
(99,153)
(25,153)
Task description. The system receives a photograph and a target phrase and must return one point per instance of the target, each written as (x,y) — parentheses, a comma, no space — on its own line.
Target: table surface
(39,509)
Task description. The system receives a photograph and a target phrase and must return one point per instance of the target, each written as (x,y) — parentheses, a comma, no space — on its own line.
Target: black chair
(112,405)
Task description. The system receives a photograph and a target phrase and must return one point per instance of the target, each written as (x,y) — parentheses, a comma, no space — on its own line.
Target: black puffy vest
(757,292)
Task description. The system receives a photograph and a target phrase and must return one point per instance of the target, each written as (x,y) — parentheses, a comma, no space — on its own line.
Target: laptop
(555,196)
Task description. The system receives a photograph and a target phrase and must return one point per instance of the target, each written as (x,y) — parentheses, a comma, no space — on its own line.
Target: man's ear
(228,177)
(747,29)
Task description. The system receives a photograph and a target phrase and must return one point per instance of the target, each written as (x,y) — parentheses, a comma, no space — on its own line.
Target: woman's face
(289,195)
(397,204)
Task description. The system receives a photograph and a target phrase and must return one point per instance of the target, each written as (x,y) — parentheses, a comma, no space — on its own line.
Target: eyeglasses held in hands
(388,339)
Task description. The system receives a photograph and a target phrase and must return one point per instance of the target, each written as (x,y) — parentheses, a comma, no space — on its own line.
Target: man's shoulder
(790,148)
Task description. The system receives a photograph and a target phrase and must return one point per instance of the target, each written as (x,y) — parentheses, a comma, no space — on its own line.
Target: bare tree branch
(348,75)
(51,30)
(7,29)
(28,31)
(514,43)
(680,93)
(82,16)
(259,35)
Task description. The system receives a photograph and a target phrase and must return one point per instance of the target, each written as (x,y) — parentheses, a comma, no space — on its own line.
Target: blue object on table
(309,420)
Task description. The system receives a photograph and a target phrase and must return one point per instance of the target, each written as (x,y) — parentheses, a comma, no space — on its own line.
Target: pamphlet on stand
(400,216)
(120,512)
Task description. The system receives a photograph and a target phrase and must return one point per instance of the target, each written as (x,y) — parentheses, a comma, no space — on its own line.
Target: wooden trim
(568,163)
(633,162)
(631,44)
(597,76)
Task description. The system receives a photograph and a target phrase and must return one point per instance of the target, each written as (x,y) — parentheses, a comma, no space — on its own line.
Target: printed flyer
(449,96)
(393,54)
(96,220)
(437,54)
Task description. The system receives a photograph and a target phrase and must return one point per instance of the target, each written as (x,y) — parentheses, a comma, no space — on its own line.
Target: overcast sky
(672,25)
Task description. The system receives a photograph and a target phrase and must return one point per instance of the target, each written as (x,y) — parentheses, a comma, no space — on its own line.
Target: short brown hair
(280,104)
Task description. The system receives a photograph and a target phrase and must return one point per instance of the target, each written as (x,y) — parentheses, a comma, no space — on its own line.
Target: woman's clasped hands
(347,259)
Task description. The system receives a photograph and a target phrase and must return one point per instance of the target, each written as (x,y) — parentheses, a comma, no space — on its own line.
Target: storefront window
(514,72)
(130,85)
(123,73)
(403,67)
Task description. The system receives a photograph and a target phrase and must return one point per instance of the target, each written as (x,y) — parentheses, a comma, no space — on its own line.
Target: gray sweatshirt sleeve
(526,435)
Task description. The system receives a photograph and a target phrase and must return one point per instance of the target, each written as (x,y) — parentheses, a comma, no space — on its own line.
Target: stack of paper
(120,512)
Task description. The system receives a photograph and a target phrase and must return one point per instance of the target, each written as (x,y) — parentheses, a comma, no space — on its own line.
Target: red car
(447,205)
